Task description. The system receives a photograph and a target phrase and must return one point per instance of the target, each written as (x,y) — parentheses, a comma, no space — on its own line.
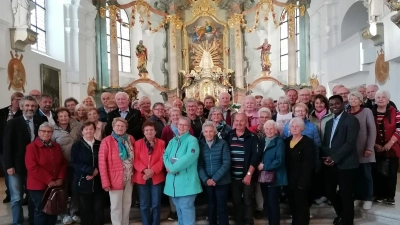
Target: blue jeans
(271,197)
(3,167)
(150,198)
(217,204)
(39,216)
(364,183)
(16,184)
(185,209)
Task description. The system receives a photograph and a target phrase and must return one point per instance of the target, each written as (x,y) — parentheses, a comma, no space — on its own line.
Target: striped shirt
(381,127)
(237,157)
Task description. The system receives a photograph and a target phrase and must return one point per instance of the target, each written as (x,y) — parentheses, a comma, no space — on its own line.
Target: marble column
(304,39)
(102,77)
(234,24)
(292,67)
(114,70)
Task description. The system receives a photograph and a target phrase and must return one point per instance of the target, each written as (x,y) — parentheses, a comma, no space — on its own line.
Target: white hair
(249,97)
(190,100)
(81,105)
(298,121)
(374,86)
(382,92)
(46,124)
(185,119)
(270,122)
(283,99)
(209,124)
(121,93)
(266,99)
(174,109)
(264,109)
(357,95)
(305,89)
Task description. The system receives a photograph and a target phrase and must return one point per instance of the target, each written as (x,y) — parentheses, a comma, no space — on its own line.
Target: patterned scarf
(221,126)
(123,152)
(321,114)
(48,144)
(149,145)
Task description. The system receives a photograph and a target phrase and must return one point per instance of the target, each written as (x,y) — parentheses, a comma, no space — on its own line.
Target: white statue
(206,61)
(22,14)
(376,9)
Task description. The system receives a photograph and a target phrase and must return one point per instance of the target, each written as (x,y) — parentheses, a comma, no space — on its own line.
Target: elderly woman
(87,184)
(249,108)
(299,159)
(116,170)
(264,114)
(89,102)
(365,148)
(94,116)
(283,115)
(158,118)
(66,132)
(149,174)
(217,117)
(183,183)
(145,107)
(321,114)
(81,112)
(46,167)
(387,147)
(273,160)
(214,172)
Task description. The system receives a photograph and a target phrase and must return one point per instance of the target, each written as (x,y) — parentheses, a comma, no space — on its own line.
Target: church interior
(180,49)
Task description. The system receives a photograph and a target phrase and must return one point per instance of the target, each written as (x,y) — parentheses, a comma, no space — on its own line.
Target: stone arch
(354,20)
(261,79)
(148,81)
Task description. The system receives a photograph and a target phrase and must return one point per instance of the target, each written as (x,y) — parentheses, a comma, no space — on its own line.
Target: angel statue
(225,77)
(22,13)
(265,52)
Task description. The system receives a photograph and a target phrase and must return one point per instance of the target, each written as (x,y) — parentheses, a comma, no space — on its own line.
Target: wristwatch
(248,174)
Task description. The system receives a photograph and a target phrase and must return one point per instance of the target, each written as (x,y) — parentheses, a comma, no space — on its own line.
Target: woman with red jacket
(149,174)
(116,170)
(46,167)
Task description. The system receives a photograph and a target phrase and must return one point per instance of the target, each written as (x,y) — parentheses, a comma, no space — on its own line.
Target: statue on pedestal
(265,52)
(141,53)
(22,14)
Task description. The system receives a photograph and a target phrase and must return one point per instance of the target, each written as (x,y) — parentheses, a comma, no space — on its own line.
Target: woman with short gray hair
(214,172)
(217,117)
(365,149)
(264,114)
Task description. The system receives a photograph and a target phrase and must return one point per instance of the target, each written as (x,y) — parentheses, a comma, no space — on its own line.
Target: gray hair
(357,95)
(27,98)
(249,97)
(144,98)
(122,93)
(264,109)
(305,89)
(267,99)
(190,100)
(186,119)
(81,105)
(271,122)
(382,92)
(373,85)
(283,99)
(46,124)
(299,122)
(209,124)
(174,109)
(215,109)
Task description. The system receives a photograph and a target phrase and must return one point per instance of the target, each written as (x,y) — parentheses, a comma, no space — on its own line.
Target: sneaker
(67,220)
(172,216)
(321,200)
(357,203)
(379,199)
(367,205)
(390,201)
(7,199)
(76,219)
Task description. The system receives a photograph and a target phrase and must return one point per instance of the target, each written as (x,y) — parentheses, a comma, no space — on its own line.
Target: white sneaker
(357,203)
(321,200)
(367,205)
(67,220)
(76,219)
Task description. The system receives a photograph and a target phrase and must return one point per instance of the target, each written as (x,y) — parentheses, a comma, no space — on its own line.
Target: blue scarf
(221,126)
(123,152)
(174,129)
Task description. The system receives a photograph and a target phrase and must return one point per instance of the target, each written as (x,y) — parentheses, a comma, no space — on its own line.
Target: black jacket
(369,104)
(3,121)
(252,154)
(197,126)
(15,141)
(159,125)
(85,161)
(135,122)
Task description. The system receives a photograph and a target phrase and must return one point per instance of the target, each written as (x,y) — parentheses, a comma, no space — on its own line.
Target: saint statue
(22,14)
(141,53)
(188,78)
(265,52)
(206,61)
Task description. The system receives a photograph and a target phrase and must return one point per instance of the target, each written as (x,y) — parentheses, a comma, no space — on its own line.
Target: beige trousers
(121,201)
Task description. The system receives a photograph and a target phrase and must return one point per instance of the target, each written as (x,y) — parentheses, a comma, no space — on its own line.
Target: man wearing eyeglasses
(305,98)
(36,94)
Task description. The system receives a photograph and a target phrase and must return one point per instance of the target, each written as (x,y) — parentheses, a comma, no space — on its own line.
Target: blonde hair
(283,99)
(91,98)
(119,119)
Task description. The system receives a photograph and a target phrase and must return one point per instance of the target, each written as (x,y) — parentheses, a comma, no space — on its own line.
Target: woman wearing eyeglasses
(158,118)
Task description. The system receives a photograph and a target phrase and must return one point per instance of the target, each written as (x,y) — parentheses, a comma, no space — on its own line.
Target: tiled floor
(380,214)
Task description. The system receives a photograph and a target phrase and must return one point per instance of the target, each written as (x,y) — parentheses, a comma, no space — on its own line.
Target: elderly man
(223,99)
(305,97)
(371,91)
(179,104)
(363,91)
(196,121)
(245,157)
(133,116)
(320,90)
(35,93)
(344,92)
(44,112)
(292,96)
(269,103)
(103,110)
(335,88)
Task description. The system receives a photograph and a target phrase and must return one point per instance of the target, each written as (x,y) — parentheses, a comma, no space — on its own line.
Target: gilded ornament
(381,67)
(92,87)
(204,7)
(16,72)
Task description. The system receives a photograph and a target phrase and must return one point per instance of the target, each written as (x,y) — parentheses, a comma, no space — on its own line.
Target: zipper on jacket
(176,152)
(211,172)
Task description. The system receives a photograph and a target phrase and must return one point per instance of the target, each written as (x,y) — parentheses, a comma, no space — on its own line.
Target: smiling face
(208,103)
(209,133)
(249,104)
(240,122)
(93,116)
(81,113)
(224,99)
(304,96)
(159,111)
(191,108)
(217,116)
(292,95)
(381,100)
(88,102)
(319,105)
(45,104)
(183,126)
(70,106)
(270,130)
(28,108)
(119,128)
(320,90)
(264,116)
(88,132)
(336,106)
(122,101)
(63,118)
(174,116)
(45,134)
(354,101)
(145,105)
(344,92)
(149,132)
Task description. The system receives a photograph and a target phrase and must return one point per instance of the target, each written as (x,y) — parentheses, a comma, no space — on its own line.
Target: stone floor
(380,214)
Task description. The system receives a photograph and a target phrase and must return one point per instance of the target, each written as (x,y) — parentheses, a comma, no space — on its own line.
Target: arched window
(124,43)
(284,55)
(38,24)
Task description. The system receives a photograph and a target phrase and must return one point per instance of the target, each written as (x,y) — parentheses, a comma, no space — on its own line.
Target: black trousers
(299,206)
(385,187)
(91,208)
(317,186)
(243,206)
(342,201)
(271,197)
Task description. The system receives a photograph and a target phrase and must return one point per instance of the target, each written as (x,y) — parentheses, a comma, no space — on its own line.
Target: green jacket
(183,179)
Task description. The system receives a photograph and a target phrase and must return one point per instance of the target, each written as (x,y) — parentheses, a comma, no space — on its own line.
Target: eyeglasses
(46,131)
(183,125)
(300,111)
(159,109)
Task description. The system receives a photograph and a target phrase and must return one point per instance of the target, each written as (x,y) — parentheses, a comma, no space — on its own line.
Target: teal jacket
(183,179)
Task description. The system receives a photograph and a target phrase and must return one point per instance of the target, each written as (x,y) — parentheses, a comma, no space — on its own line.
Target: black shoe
(172,216)
(337,221)
(390,201)
(7,199)
(258,214)
(379,199)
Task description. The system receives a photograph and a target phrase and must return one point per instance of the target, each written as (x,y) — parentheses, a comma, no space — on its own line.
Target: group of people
(302,147)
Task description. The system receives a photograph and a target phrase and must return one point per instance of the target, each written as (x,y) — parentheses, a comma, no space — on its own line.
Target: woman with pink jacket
(116,157)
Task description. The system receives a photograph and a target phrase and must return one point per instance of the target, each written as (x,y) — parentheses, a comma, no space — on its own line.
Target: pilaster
(235,28)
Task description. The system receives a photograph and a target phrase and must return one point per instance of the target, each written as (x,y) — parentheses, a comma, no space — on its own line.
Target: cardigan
(390,123)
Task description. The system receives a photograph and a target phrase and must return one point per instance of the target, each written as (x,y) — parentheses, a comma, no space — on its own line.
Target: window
(123,41)
(38,24)
(284,55)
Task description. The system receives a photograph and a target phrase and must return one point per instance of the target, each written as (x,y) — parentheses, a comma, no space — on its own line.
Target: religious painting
(50,78)
(205,40)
